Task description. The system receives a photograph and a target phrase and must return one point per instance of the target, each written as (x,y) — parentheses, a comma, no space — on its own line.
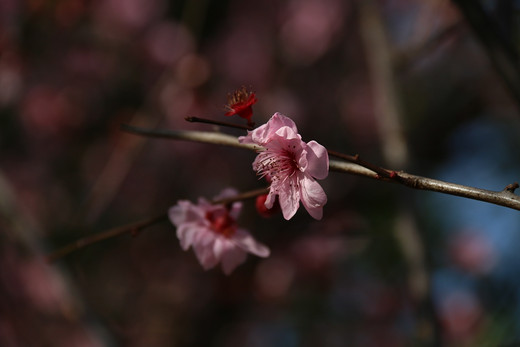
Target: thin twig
(132,228)
(185,135)
(242,196)
(503,198)
(135,227)
(216,122)
(357,160)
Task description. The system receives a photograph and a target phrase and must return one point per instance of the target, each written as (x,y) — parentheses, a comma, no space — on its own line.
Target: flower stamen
(241,103)
(222,224)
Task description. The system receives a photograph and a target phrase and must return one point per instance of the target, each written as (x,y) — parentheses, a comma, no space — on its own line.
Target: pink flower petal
(184,212)
(317,160)
(245,241)
(220,246)
(271,198)
(226,193)
(186,233)
(278,120)
(202,246)
(235,210)
(289,197)
(231,258)
(313,197)
(198,227)
(285,134)
(263,133)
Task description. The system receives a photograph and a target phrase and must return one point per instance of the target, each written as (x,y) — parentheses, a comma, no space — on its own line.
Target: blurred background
(426,86)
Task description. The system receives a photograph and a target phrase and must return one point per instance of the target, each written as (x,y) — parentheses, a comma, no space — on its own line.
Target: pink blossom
(213,233)
(291,165)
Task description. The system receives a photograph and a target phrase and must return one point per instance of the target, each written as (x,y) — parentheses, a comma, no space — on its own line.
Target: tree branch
(135,227)
(352,165)
(132,228)
(504,198)
(217,122)
(355,166)
(186,135)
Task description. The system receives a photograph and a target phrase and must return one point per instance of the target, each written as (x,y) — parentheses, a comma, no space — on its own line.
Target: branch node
(512,187)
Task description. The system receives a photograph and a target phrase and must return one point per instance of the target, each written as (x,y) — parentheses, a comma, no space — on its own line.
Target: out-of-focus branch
(501,52)
(505,198)
(403,60)
(136,227)
(389,115)
(387,104)
(131,228)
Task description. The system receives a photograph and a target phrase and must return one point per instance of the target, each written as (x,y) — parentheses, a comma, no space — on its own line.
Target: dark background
(407,84)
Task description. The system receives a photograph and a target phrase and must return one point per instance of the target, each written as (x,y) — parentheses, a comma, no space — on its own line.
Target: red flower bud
(241,103)
(264,211)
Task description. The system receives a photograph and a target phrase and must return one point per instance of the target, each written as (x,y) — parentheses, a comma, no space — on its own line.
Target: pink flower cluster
(212,231)
(291,166)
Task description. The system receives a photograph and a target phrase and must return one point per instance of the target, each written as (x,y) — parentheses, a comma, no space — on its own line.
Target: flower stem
(136,227)
(216,122)
(243,196)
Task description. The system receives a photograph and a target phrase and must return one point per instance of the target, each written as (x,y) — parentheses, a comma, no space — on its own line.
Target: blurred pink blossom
(118,18)
(43,287)
(166,42)
(47,111)
(308,31)
(291,165)
(473,252)
(316,252)
(461,316)
(193,70)
(213,233)
(245,53)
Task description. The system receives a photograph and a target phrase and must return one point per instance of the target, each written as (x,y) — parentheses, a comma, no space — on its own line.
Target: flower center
(241,103)
(240,96)
(222,224)
(277,164)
